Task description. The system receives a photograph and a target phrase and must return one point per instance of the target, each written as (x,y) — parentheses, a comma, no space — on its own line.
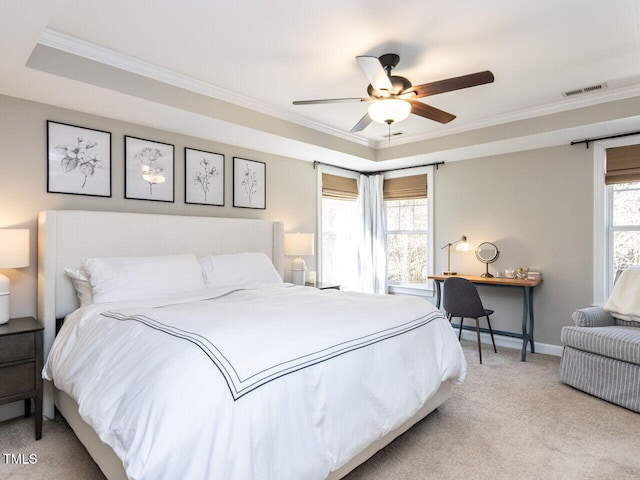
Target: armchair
(601,357)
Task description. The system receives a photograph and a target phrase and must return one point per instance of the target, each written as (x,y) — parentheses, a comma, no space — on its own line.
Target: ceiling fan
(392,98)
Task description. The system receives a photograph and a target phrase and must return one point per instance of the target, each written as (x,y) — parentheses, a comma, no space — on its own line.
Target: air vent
(580,91)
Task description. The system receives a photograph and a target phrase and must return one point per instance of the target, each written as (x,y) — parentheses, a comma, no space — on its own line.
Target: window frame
(320,169)
(429,288)
(603,218)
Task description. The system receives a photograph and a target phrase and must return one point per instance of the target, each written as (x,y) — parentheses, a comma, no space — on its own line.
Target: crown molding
(91,51)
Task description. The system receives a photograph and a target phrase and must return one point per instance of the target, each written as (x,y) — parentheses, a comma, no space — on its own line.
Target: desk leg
(533,350)
(527,313)
(525,338)
(438,294)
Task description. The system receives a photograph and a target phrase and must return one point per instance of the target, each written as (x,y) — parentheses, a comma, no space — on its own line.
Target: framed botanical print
(249,183)
(78,160)
(204,177)
(148,170)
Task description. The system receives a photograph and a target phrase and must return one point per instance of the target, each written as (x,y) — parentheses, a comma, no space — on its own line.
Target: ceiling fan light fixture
(389,110)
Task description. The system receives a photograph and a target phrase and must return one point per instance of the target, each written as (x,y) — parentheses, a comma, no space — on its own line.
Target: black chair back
(461,298)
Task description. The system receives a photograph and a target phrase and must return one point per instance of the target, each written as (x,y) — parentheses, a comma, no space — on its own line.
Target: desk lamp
(298,244)
(14,253)
(462,245)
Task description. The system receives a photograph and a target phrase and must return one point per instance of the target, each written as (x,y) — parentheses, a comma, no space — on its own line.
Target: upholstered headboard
(67,236)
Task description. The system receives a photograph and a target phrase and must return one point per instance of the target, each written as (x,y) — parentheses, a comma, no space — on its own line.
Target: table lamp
(298,244)
(462,245)
(14,253)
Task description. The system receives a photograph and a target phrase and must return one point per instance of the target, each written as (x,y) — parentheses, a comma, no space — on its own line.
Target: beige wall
(291,184)
(537,207)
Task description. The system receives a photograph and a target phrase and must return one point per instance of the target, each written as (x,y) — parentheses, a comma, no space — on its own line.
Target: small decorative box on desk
(534,276)
(21,365)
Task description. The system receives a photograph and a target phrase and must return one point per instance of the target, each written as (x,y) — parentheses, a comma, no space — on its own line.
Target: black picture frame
(249,183)
(149,170)
(203,177)
(78,160)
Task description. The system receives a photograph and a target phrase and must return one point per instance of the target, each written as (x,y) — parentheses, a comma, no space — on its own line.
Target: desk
(527,294)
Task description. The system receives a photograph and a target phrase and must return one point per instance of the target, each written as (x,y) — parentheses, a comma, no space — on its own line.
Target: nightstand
(323,286)
(21,365)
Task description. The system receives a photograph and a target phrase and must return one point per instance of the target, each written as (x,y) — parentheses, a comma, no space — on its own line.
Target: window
(616,211)
(407,241)
(624,236)
(338,215)
(339,247)
(409,229)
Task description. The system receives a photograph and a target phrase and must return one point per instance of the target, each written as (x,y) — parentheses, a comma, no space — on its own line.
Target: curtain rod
(588,140)
(436,164)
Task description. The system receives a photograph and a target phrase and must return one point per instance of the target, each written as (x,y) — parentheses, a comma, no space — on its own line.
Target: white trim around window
(320,169)
(429,289)
(602,205)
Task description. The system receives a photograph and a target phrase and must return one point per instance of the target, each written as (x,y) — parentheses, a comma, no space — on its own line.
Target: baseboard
(12,410)
(512,342)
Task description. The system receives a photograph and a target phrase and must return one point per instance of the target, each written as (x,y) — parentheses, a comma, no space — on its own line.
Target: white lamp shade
(14,247)
(298,244)
(389,111)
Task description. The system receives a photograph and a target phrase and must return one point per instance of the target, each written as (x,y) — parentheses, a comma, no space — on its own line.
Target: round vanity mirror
(487,253)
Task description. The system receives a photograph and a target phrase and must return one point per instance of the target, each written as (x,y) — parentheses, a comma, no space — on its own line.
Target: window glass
(625,231)
(339,254)
(392,219)
(406,224)
(626,201)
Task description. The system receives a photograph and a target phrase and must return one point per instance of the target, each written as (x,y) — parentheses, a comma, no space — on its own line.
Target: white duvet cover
(270,382)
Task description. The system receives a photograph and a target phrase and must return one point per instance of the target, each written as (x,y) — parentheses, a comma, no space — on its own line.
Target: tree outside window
(407,230)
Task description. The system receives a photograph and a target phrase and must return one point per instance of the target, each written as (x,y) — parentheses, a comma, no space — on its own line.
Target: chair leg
(491,332)
(460,333)
(479,344)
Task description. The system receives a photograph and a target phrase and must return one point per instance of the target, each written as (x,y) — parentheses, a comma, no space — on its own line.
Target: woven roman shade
(339,188)
(405,188)
(623,165)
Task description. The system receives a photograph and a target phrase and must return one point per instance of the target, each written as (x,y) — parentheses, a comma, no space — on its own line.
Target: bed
(308,414)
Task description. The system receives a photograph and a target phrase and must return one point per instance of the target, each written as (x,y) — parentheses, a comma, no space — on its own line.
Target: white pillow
(238,269)
(81,283)
(138,278)
(624,301)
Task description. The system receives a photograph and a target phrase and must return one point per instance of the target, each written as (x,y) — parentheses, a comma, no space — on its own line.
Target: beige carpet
(509,420)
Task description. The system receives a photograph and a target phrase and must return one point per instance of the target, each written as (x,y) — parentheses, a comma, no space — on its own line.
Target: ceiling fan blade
(362,124)
(374,72)
(330,100)
(432,113)
(450,84)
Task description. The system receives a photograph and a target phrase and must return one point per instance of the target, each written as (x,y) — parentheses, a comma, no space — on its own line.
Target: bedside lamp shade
(298,244)
(14,253)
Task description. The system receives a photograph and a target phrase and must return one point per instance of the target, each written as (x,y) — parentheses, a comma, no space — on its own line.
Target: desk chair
(461,299)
